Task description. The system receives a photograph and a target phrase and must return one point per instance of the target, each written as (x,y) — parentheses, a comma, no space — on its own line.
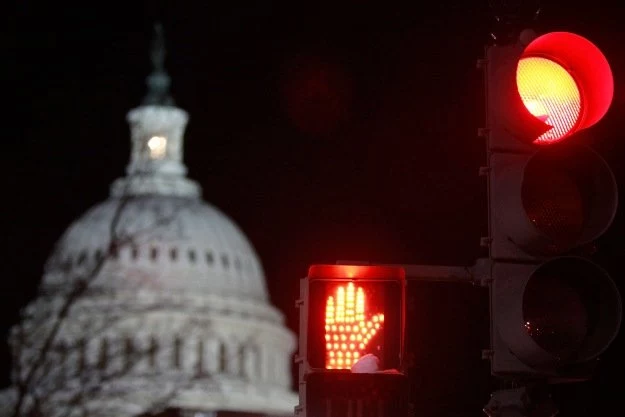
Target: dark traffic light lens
(554,203)
(555,314)
(568,198)
(571,309)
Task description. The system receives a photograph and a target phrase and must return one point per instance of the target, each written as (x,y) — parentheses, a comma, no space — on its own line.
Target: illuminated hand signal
(348,327)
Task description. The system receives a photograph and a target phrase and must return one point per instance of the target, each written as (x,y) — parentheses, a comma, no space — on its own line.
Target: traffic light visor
(565,81)
(355,311)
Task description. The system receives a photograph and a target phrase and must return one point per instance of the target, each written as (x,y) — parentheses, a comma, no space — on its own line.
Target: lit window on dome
(157,146)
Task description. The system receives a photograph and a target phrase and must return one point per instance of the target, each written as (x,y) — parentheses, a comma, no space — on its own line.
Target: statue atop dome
(157,127)
(158,81)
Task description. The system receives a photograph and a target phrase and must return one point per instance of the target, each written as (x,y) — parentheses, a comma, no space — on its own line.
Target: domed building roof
(177,243)
(153,299)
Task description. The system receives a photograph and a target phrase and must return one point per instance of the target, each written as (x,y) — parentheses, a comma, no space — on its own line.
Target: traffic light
(542,90)
(351,341)
(553,311)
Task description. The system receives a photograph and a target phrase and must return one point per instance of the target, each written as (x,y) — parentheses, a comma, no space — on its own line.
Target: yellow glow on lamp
(550,94)
(157,146)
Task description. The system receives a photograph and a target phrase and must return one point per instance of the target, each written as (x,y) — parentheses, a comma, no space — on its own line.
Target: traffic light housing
(549,201)
(553,311)
(552,320)
(351,340)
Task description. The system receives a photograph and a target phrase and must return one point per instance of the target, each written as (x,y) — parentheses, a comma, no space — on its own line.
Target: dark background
(343,131)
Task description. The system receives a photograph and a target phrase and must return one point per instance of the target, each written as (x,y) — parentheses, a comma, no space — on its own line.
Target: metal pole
(439,273)
(478,273)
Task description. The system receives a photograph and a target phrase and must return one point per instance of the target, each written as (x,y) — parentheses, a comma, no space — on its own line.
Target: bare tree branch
(26,374)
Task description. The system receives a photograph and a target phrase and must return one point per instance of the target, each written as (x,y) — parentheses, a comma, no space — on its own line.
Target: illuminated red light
(355,271)
(565,81)
(551,94)
(353,311)
(346,318)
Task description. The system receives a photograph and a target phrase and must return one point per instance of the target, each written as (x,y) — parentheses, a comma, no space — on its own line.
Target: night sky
(326,131)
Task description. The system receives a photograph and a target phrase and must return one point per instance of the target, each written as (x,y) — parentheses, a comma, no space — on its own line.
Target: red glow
(565,80)
(356,272)
(316,95)
(347,318)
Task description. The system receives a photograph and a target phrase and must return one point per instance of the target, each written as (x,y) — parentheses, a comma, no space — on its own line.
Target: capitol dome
(176,244)
(153,300)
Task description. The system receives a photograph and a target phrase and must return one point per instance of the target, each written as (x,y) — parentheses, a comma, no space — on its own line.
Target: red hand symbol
(348,329)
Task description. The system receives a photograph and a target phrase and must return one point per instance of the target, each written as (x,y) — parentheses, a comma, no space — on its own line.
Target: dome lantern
(157,138)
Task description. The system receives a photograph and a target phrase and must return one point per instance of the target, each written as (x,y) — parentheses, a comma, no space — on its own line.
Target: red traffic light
(549,317)
(354,311)
(566,82)
(551,95)
(557,85)
(554,200)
